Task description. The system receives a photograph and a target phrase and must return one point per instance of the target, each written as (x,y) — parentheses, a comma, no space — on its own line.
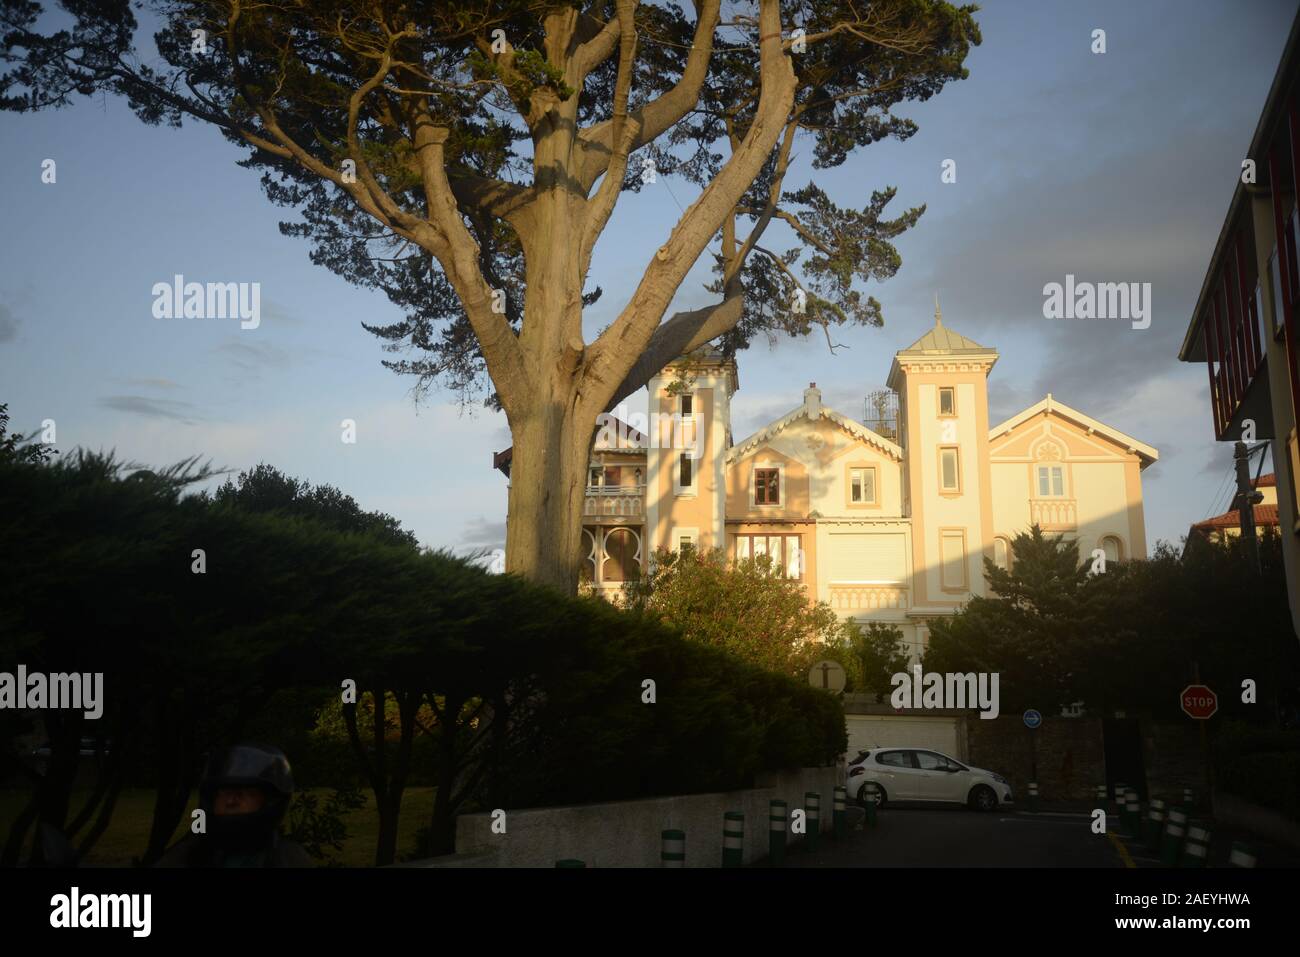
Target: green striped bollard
(569,862)
(1171,844)
(812,810)
(674,848)
(776,827)
(1188,799)
(1243,855)
(1121,797)
(1196,852)
(1155,823)
(838,805)
(870,794)
(1033,795)
(1132,814)
(733,839)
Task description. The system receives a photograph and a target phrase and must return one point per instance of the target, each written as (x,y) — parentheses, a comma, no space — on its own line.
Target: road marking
(1121,849)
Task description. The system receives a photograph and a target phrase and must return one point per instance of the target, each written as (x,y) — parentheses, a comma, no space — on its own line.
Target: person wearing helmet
(244,794)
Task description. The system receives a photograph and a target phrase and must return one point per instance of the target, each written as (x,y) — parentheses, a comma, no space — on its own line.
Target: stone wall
(628,833)
(1068,753)
(1071,759)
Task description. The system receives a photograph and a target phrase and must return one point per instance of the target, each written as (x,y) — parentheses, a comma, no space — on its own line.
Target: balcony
(1054,514)
(860,596)
(614,501)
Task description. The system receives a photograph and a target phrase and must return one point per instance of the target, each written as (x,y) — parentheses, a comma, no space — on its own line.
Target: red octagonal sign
(1199,702)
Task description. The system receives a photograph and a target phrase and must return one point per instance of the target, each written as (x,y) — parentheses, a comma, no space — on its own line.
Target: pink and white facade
(888,521)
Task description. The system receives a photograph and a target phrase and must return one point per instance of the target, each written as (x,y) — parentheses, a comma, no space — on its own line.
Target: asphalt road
(956,837)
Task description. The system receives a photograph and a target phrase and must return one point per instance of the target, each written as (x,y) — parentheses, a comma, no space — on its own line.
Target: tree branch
(595,145)
(682,333)
(601,206)
(614,353)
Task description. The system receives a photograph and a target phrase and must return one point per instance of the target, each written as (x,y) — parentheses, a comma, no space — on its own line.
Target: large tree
(465,157)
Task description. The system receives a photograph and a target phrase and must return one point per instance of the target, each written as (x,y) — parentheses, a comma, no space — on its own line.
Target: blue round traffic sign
(1032,719)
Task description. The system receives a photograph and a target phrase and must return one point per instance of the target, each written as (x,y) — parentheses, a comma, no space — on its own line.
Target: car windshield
(862,756)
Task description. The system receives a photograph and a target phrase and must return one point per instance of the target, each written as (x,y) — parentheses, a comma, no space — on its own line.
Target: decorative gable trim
(1049,407)
(856,429)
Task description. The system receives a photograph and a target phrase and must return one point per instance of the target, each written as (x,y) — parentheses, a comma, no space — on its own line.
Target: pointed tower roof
(937,344)
(943,339)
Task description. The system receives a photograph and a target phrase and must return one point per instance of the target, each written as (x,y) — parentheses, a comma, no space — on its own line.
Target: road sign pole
(1201,703)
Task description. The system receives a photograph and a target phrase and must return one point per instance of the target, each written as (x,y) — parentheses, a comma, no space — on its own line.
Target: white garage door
(871,731)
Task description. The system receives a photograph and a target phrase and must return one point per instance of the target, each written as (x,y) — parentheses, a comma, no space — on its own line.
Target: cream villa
(888,520)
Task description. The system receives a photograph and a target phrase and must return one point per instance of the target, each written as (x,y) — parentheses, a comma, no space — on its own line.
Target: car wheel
(982,798)
(880,796)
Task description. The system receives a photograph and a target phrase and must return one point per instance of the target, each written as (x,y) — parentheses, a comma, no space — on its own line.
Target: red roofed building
(1228,525)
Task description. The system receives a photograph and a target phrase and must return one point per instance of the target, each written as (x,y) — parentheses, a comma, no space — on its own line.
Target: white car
(919,774)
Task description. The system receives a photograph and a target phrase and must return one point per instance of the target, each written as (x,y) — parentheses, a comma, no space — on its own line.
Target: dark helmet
(247,765)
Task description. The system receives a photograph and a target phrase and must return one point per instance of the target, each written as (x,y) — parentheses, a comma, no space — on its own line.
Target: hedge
(96,575)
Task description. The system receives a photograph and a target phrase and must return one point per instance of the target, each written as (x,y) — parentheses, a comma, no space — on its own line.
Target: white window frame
(875,484)
(783,569)
(688,532)
(1038,481)
(1005,542)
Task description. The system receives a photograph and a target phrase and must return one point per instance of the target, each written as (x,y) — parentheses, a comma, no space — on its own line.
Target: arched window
(1002,554)
(622,556)
(1113,548)
(587,570)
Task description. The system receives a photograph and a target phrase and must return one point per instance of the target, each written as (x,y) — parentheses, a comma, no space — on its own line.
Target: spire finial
(938,316)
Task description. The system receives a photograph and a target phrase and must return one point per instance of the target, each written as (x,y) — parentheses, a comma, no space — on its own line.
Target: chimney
(812,399)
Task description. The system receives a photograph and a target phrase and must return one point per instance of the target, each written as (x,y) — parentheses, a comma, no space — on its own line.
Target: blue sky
(1113,167)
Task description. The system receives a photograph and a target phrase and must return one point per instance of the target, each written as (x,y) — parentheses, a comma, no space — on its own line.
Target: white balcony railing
(860,596)
(621,501)
(1054,514)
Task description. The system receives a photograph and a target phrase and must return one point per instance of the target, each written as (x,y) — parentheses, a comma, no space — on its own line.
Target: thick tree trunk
(548,476)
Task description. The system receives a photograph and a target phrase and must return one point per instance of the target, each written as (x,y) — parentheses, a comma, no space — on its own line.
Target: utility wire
(1214,503)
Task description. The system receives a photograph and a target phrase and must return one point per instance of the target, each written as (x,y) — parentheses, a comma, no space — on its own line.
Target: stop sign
(1199,702)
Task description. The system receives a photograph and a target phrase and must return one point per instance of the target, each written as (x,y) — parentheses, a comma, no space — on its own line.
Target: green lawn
(128,833)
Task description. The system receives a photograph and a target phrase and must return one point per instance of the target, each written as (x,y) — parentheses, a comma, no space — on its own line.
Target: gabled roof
(813,410)
(1051,406)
